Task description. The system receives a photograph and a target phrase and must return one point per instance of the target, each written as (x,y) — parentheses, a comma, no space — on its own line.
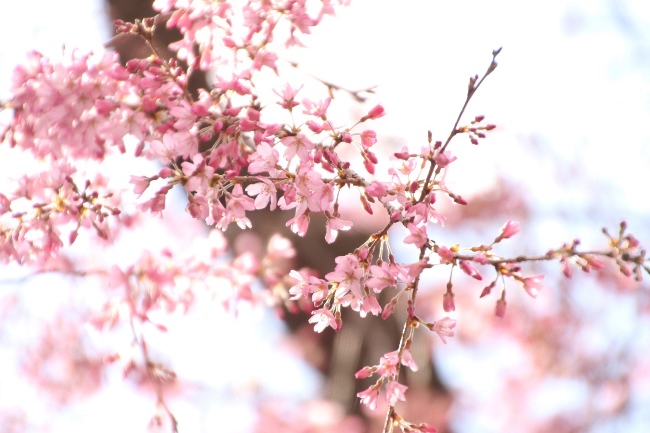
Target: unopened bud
(448,303)
(500,309)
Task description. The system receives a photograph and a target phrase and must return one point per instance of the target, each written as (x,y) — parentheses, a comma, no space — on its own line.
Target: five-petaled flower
(444,328)
(323,318)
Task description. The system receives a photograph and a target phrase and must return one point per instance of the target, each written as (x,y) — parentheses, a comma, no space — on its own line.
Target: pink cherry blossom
(394,392)
(288,95)
(408,361)
(199,174)
(446,255)
(389,361)
(299,224)
(424,212)
(297,145)
(444,328)
(368,139)
(444,159)
(369,304)
(333,226)
(302,288)
(376,189)
(141,183)
(418,235)
(384,275)
(317,109)
(369,397)
(264,159)
(264,192)
(347,274)
(236,208)
(323,318)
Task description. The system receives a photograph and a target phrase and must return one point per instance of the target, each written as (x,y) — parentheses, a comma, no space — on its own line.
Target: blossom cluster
(232,157)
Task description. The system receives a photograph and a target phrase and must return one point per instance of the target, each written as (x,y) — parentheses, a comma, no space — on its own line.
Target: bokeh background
(571,154)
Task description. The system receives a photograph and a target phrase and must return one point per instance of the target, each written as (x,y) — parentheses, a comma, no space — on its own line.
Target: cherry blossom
(418,235)
(394,392)
(446,255)
(333,226)
(229,155)
(369,397)
(264,159)
(264,192)
(347,275)
(323,318)
(444,328)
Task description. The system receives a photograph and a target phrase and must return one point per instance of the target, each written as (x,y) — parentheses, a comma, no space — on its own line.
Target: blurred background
(571,154)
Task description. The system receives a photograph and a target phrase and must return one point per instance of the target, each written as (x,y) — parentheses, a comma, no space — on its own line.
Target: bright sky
(573,82)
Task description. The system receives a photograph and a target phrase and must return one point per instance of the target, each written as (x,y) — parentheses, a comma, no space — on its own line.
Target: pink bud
(363,253)
(375,113)
(480,259)
(470,270)
(314,126)
(366,205)
(533,284)
(509,229)
(318,155)
(486,291)
(364,373)
(229,42)
(500,310)
(458,199)
(388,310)
(594,262)
(370,167)
(246,124)
(372,157)
(448,303)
